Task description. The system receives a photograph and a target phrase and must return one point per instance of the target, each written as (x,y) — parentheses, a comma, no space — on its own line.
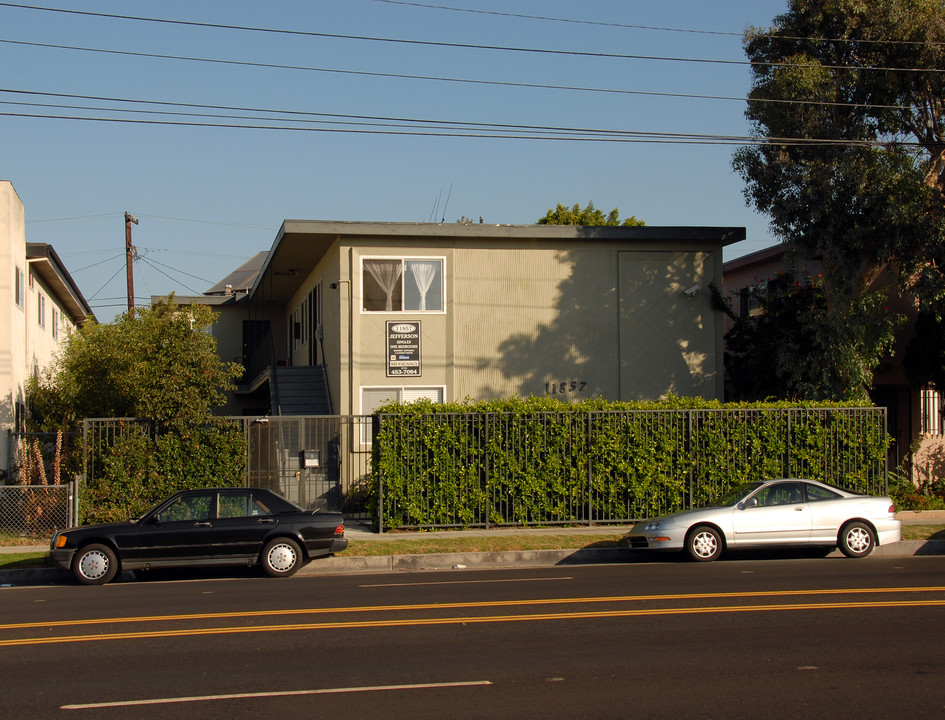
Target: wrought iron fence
(597,467)
(318,462)
(37,511)
(483,469)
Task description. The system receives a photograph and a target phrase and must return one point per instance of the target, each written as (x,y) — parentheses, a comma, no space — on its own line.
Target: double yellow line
(470,619)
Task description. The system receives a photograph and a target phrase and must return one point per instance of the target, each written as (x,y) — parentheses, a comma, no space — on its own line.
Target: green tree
(794,349)
(157,363)
(847,98)
(589,215)
(160,365)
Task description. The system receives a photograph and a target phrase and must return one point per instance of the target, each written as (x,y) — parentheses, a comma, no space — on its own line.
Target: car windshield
(735,494)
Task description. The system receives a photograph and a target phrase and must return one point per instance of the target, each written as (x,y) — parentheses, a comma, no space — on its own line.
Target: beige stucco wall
(569,323)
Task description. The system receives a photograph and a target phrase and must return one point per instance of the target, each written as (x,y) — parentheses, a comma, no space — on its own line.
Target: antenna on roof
(443,218)
(436,206)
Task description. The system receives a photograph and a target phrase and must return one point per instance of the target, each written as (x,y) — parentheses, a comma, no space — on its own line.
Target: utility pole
(129,258)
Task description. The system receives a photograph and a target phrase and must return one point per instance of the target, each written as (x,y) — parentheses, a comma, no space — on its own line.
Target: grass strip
(469,544)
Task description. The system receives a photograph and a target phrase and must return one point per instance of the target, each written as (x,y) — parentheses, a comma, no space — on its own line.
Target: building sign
(403,349)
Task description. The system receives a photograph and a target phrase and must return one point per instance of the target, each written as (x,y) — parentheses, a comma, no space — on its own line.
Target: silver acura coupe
(775,513)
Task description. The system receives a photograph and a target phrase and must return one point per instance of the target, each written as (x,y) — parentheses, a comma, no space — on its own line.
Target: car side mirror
(750,503)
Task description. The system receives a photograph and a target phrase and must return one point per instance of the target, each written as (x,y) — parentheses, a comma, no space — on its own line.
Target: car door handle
(201,524)
(799,509)
(263,520)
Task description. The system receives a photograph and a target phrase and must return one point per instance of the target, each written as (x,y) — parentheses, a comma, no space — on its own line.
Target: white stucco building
(39,305)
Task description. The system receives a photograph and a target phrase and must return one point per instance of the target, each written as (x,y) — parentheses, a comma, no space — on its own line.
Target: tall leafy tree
(847,99)
(157,363)
(795,348)
(588,215)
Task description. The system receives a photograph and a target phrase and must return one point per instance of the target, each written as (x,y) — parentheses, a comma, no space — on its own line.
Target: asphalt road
(741,638)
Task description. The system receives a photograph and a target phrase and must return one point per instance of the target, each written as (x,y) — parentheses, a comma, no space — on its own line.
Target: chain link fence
(37,511)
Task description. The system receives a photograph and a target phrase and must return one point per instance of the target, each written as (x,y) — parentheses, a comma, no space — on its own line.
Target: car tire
(856,540)
(281,557)
(704,543)
(95,565)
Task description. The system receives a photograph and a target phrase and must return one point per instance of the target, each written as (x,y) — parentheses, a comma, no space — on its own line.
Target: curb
(462,561)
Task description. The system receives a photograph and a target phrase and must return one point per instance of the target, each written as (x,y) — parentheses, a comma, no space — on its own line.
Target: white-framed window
(931,411)
(20,288)
(55,324)
(373,397)
(41,309)
(403,284)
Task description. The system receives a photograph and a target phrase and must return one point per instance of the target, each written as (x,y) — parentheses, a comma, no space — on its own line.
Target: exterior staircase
(300,390)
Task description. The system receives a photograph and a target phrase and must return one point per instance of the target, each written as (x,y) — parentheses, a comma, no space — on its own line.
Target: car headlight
(650,526)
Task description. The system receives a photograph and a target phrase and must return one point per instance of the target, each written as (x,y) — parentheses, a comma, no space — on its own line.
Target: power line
(488,129)
(654,27)
(688,96)
(306,33)
(522,16)
(425,43)
(627,136)
(153,265)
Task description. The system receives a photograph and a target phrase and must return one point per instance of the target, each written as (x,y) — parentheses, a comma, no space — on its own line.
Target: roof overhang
(301,244)
(44,261)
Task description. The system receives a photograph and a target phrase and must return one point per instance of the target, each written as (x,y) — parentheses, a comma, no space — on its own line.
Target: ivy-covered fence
(594,465)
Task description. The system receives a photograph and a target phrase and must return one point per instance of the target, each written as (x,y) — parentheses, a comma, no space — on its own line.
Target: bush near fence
(130,466)
(539,461)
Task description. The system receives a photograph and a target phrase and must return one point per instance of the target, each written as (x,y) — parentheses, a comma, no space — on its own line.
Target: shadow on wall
(633,325)
(928,463)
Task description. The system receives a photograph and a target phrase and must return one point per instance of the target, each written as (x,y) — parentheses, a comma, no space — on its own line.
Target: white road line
(286,693)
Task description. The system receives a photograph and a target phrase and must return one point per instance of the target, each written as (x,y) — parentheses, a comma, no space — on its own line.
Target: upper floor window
(402,284)
(20,289)
(55,324)
(41,309)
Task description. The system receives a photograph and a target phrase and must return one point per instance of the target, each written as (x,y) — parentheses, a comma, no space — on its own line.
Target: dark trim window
(20,288)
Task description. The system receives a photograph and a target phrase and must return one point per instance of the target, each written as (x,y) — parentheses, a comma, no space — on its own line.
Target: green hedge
(138,469)
(541,461)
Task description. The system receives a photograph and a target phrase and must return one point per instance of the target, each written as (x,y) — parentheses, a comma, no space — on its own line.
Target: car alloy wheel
(95,565)
(704,544)
(281,557)
(856,540)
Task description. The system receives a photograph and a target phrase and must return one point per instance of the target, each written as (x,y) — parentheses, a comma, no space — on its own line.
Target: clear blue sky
(208,198)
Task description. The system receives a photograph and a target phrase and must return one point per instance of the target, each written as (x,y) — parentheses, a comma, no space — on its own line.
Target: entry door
(241,526)
(180,532)
(775,513)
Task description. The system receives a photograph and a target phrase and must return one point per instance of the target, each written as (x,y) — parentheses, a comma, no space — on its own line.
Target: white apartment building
(40,305)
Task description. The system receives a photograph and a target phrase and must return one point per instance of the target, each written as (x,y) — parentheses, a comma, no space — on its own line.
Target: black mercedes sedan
(203,528)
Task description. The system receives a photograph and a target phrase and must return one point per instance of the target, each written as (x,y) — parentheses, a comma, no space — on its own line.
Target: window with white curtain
(406,284)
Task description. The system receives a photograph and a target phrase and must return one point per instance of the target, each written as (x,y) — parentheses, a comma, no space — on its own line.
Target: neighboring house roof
(242,279)
(43,259)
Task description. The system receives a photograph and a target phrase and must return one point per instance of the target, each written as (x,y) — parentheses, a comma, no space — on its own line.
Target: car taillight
(892,509)
(339,530)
